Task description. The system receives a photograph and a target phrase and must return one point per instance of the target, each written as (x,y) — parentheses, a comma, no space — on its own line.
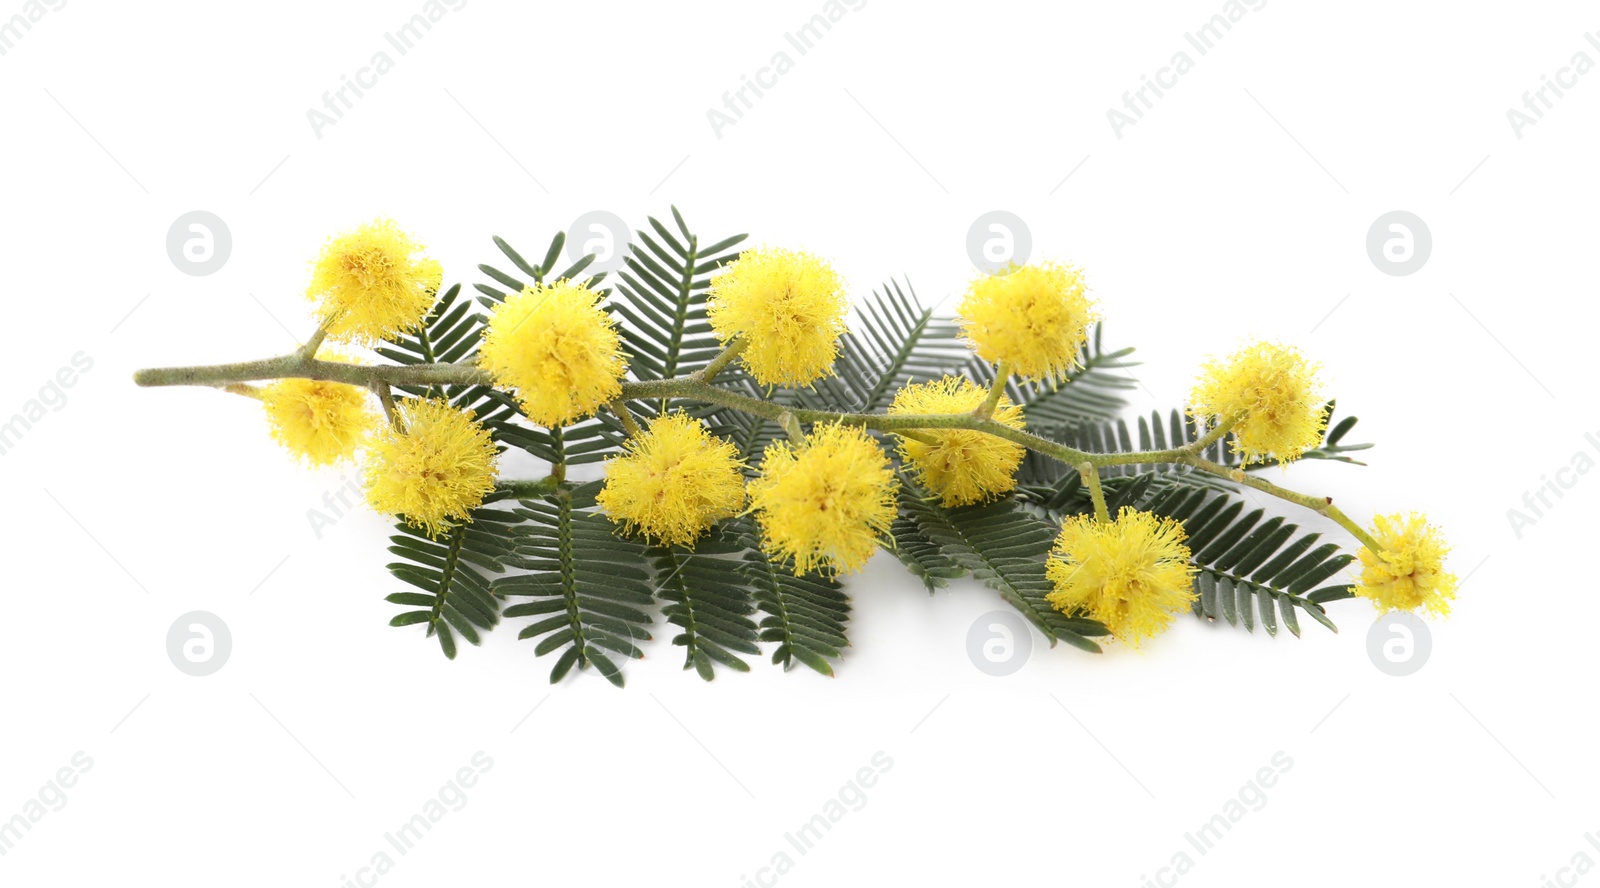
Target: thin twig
(722,360)
(1091,479)
(1002,375)
(386,398)
(629,425)
(689,387)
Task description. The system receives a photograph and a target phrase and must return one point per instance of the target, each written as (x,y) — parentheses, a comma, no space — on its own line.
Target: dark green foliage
(455,595)
(586,441)
(661,299)
(1156,432)
(804,615)
(1251,564)
(590,594)
(545,272)
(893,340)
(590,588)
(921,555)
(1004,547)
(450,333)
(708,599)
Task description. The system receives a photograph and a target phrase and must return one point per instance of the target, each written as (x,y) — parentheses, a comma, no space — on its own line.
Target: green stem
(1322,505)
(1002,375)
(527,488)
(296,367)
(386,398)
(309,350)
(1091,478)
(690,387)
(1217,433)
(629,425)
(722,360)
(791,426)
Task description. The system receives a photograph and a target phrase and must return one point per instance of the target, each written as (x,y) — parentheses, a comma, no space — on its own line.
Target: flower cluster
(827,502)
(674,482)
(432,467)
(1408,572)
(963,466)
(321,422)
(559,351)
(1271,395)
(822,499)
(1132,573)
(788,306)
(430,464)
(370,284)
(1032,319)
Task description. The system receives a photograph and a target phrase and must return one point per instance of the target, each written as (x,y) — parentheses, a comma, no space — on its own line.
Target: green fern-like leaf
(708,597)
(589,587)
(1005,548)
(525,273)
(450,333)
(920,554)
(455,597)
(587,441)
(1253,566)
(804,615)
(661,299)
(1156,432)
(893,341)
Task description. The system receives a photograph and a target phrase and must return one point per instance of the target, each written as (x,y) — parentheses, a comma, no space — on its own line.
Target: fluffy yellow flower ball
(1274,391)
(321,422)
(1132,574)
(789,306)
(961,465)
(1034,318)
(436,471)
(674,482)
(1409,573)
(827,504)
(557,348)
(369,284)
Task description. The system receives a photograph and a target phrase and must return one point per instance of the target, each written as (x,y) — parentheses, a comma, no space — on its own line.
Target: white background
(1238,206)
